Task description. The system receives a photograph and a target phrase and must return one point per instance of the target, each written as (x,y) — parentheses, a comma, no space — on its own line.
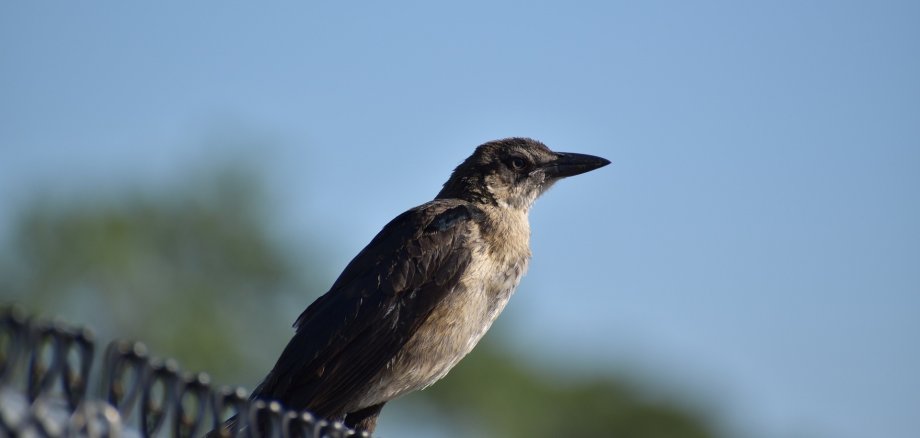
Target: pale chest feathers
(494,274)
(495,271)
(499,260)
(507,236)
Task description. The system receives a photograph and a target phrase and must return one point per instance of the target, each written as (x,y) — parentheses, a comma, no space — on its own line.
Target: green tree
(513,400)
(191,271)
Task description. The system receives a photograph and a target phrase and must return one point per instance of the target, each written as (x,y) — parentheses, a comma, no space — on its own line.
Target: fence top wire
(46,367)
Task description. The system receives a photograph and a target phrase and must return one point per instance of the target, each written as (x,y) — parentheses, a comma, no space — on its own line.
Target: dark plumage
(346,336)
(424,290)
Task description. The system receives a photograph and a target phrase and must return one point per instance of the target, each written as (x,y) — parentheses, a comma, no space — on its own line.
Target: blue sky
(755,240)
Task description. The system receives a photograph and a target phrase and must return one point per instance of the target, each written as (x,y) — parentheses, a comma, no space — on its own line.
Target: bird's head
(513,172)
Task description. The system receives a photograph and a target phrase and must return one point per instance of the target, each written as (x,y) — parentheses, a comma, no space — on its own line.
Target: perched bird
(419,297)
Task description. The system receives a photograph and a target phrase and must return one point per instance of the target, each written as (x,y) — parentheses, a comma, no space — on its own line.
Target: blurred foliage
(195,273)
(188,271)
(513,400)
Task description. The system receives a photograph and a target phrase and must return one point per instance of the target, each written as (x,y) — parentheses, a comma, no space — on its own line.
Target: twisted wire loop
(159,393)
(230,403)
(44,392)
(13,337)
(76,361)
(265,418)
(44,360)
(192,405)
(124,374)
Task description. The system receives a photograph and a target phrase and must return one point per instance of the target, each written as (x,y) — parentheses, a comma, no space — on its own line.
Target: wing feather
(349,334)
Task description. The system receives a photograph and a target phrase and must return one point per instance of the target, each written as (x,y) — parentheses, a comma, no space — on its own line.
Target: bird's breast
(499,257)
(461,320)
(454,327)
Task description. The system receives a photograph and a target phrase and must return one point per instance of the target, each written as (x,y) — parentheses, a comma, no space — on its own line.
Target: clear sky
(756,240)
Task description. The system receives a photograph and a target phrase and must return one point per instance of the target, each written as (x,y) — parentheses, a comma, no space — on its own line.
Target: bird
(423,292)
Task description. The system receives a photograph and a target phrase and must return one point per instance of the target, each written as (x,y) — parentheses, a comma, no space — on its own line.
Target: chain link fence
(45,391)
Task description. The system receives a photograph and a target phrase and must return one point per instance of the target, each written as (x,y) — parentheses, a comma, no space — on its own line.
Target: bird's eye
(517,163)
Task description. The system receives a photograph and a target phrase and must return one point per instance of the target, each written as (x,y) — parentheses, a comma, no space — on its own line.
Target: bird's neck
(507,231)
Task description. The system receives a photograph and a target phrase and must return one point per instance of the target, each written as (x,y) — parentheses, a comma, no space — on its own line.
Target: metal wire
(44,373)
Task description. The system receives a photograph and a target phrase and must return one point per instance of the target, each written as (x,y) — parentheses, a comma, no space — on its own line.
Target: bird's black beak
(571,164)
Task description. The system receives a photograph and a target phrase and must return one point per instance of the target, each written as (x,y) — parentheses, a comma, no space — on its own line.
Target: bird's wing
(349,334)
